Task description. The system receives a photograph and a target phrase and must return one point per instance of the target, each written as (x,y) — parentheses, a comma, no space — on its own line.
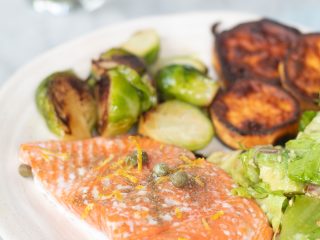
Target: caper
(25,170)
(132,159)
(161,169)
(179,179)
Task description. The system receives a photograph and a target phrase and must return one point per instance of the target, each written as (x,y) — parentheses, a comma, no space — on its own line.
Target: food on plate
(284,181)
(186,84)
(66,104)
(133,67)
(115,57)
(145,44)
(305,118)
(91,179)
(177,123)
(252,50)
(254,113)
(303,215)
(300,72)
(121,96)
(186,60)
(134,187)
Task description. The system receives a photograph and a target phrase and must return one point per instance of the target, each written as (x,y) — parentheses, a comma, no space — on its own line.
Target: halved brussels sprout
(177,123)
(186,84)
(118,102)
(67,106)
(145,44)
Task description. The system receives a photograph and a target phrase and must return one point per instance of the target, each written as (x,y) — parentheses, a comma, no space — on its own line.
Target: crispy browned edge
(236,138)
(218,60)
(305,101)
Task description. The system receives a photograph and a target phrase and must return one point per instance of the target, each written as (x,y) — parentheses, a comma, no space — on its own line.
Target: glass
(59,7)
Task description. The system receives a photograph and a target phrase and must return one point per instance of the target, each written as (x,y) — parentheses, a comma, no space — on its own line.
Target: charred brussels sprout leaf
(67,106)
(113,58)
(119,56)
(118,103)
(186,84)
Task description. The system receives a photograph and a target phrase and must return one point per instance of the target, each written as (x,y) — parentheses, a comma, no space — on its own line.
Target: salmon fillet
(89,179)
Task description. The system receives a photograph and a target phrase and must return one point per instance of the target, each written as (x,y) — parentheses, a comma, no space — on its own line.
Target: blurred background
(25,33)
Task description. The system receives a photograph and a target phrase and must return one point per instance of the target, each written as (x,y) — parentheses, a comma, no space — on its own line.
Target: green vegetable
(145,44)
(306,118)
(186,84)
(118,56)
(272,205)
(304,165)
(161,169)
(307,168)
(25,170)
(177,123)
(231,163)
(179,179)
(273,168)
(67,105)
(302,219)
(132,159)
(147,93)
(188,60)
(119,103)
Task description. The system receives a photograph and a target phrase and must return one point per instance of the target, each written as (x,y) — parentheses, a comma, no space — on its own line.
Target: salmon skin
(90,179)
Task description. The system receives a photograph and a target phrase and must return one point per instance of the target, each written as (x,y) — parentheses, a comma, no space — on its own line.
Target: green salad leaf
(272,205)
(302,219)
(306,118)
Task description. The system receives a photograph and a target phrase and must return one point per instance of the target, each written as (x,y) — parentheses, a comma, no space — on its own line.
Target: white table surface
(25,34)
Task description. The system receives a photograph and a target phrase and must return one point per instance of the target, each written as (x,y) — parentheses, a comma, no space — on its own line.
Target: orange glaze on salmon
(90,179)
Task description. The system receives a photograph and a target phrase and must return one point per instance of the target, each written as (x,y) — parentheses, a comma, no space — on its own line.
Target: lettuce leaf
(272,206)
(301,220)
(306,118)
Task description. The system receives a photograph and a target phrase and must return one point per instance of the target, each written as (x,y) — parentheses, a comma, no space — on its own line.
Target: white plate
(24,212)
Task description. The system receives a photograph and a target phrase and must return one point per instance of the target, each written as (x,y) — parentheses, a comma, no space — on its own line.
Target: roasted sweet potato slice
(252,50)
(254,113)
(300,71)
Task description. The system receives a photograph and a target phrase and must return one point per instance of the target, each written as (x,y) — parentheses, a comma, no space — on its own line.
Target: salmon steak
(93,180)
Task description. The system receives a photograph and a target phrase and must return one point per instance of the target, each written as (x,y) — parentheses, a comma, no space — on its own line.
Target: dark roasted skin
(300,71)
(117,56)
(252,50)
(254,113)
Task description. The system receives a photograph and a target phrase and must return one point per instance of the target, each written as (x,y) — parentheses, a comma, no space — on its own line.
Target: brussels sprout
(130,66)
(177,123)
(67,106)
(145,44)
(186,84)
(118,103)
(143,85)
(187,60)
